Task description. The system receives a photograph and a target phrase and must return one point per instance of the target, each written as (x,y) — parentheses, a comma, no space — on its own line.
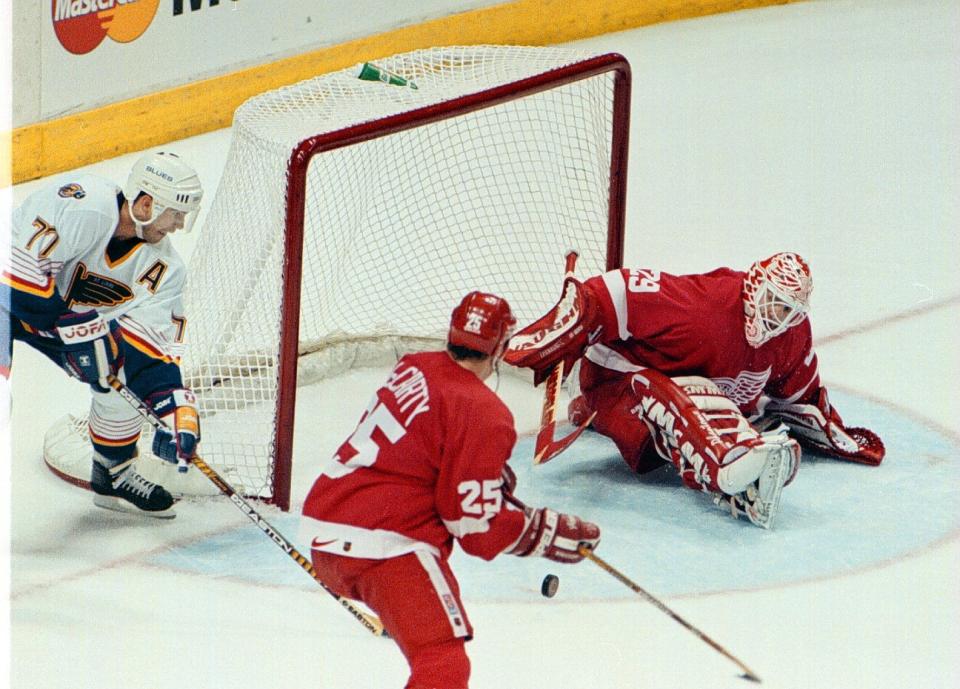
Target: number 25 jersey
(422,467)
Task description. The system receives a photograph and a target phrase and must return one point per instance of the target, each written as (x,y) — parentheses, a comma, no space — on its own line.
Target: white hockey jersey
(63,257)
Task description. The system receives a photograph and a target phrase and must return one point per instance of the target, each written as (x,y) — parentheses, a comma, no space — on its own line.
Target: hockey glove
(555,536)
(559,336)
(178,442)
(820,426)
(91,348)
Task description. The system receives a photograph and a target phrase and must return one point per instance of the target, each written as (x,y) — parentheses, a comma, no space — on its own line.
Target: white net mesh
(396,228)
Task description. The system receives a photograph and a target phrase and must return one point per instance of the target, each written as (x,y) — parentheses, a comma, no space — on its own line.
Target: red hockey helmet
(481,322)
(776,296)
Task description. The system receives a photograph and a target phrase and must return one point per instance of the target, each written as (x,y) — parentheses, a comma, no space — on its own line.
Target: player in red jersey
(684,360)
(426,466)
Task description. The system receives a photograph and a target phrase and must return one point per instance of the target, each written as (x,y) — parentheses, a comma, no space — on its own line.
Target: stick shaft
(371,622)
(610,569)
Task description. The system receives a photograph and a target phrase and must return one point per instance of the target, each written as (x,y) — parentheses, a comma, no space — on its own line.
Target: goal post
(353,214)
(419,117)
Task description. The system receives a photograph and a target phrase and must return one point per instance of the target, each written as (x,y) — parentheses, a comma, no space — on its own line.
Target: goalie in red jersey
(426,466)
(673,366)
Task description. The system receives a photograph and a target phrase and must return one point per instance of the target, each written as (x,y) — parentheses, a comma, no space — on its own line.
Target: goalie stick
(547,447)
(623,579)
(371,622)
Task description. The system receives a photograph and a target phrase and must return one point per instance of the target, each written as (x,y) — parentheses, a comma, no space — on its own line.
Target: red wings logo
(745,388)
(81,25)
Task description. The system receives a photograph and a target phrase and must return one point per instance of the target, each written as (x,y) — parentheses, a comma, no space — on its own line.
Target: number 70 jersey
(64,256)
(422,467)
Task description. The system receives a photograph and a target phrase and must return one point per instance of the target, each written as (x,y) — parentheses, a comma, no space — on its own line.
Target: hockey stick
(371,622)
(589,554)
(547,447)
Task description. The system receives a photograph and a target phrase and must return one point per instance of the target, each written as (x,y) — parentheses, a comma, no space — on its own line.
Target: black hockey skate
(122,489)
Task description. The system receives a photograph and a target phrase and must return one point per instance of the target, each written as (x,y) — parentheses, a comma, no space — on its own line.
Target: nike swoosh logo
(320,544)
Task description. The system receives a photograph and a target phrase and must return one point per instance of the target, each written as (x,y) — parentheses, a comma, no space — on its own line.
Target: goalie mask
(173,185)
(481,322)
(776,296)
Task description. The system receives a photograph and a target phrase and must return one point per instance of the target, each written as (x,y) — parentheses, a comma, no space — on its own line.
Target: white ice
(828,128)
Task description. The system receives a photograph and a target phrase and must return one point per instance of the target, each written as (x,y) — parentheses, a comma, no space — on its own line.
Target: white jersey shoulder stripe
(466,526)
(617,289)
(25,266)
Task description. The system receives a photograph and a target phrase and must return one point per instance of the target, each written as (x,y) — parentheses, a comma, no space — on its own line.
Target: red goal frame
(296,207)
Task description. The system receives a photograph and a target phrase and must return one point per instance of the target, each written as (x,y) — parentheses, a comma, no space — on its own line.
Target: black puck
(550,584)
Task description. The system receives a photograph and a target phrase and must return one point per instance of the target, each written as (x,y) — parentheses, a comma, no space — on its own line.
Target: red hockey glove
(178,408)
(91,348)
(560,335)
(555,536)
(820,426)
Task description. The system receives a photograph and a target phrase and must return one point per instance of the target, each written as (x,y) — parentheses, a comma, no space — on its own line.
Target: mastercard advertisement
(82,25)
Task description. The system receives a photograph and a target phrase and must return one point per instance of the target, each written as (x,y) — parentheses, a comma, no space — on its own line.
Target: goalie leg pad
(704,434)
(681,432)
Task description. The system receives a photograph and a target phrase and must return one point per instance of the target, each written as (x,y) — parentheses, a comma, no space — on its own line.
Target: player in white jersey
(94,283)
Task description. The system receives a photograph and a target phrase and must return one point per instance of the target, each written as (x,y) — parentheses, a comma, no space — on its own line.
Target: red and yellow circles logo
(81,25)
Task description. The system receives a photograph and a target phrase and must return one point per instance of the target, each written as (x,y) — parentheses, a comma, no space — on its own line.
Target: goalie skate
(760,502)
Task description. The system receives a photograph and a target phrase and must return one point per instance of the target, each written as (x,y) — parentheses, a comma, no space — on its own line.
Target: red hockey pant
(417,598)
(611,397)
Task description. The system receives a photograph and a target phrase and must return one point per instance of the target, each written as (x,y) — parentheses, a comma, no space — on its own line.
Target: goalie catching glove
(559,336)
(177,443)
(820,426)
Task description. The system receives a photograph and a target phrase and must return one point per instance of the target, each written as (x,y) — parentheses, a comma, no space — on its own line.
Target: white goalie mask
(173,185)
(776,296)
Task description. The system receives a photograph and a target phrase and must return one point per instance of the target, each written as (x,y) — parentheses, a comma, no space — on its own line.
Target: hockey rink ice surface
(827,128)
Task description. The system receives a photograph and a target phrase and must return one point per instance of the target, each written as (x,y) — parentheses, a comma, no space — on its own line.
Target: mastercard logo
(81,25)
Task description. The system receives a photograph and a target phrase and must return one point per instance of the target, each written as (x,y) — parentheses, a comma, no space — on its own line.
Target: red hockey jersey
(422,467)
(694,325)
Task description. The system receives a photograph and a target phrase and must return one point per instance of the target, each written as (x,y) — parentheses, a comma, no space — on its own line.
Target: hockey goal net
(356,209)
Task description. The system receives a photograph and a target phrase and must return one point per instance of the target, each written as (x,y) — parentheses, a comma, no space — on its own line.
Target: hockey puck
(550,584)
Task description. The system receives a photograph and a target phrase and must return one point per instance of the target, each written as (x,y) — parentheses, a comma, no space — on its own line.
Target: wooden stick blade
(549,448)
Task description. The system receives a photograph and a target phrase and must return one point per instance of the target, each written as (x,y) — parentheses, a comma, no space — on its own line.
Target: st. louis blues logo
(92,289)
(72,191)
